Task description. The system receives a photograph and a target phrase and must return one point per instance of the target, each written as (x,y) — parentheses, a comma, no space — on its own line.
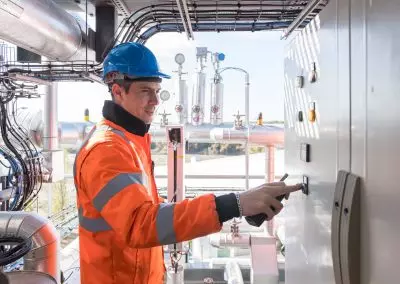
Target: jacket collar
(119,116)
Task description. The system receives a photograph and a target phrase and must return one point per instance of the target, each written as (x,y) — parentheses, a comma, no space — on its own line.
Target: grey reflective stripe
(165,224)
(94,225)
(114,186)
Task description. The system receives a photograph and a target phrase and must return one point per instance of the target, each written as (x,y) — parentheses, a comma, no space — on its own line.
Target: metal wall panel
(381,197)
(308,218)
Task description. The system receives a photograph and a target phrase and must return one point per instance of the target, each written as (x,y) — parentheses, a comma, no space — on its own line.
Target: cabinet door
(324,43)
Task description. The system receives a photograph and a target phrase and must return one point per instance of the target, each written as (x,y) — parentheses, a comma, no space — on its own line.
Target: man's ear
(117,92)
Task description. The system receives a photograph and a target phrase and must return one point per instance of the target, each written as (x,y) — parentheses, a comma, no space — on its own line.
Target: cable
(22,247)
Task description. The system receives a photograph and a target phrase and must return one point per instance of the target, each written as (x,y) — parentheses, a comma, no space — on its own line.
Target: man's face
(140,100)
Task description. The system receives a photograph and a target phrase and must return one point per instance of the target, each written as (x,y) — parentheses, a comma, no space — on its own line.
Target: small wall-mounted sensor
(299,82)
(312,77)
(311,113)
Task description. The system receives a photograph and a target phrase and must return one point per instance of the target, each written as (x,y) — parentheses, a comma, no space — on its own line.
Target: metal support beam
(301,17)
(183,11)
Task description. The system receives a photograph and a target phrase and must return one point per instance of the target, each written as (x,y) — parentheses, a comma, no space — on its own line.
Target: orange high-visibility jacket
(123,225)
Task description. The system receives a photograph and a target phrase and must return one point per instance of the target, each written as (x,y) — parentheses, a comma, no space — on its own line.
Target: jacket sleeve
(116,188)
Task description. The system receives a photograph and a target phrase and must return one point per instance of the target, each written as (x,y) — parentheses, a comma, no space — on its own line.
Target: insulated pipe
(44,254)
(228,240)
(262,135)
(50,132)
(40,26)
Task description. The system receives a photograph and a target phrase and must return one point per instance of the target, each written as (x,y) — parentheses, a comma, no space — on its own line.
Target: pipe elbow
(44,254)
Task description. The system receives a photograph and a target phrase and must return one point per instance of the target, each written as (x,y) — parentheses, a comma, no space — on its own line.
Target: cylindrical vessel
(217,96)
(40,26)
(182,105)
(198,100)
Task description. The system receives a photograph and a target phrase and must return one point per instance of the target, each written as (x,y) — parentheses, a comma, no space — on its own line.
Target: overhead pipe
(42,27)
(44,255)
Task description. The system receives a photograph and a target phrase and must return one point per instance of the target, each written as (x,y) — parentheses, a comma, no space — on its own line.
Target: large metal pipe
(40,26)
(261,135)
(44,254)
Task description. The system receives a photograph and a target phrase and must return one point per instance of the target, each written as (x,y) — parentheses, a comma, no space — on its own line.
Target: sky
(261,54)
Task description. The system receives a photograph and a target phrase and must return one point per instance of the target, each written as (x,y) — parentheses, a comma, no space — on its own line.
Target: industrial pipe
(44,254)
(40,26)
(229,240)
(262,135)
(50,131)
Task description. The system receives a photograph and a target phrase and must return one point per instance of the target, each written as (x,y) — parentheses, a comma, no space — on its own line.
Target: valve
(238,120)
(164,119)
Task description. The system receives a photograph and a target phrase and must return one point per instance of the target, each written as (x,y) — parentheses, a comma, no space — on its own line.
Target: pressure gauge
(180,58)
(164,95)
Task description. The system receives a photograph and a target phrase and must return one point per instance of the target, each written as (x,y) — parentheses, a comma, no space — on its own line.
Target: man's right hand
(261,198)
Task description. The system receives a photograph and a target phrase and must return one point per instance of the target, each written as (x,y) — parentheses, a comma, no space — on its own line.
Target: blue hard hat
(133,60)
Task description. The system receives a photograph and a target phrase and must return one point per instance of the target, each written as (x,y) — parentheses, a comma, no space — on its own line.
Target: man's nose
(155,100)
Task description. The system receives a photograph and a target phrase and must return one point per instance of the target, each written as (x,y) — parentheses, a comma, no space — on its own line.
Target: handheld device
(257,220)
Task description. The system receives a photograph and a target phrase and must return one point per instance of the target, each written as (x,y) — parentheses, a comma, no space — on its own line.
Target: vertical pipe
(50,132)
(247,99)
(271,163)
(270,177)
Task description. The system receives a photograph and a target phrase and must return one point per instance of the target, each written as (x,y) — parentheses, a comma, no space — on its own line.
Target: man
(123,222)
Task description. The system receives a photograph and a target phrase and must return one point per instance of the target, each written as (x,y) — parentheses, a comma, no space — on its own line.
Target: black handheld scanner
(257,220)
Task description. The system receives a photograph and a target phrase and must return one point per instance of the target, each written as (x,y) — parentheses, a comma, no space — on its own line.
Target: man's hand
(262,199)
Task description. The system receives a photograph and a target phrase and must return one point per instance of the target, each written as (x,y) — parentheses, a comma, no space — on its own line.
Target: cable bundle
(24,169)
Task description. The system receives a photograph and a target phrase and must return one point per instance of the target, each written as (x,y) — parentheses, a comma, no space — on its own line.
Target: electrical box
(201,51)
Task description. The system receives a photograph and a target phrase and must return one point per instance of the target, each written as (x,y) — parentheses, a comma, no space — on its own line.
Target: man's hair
(127,82)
